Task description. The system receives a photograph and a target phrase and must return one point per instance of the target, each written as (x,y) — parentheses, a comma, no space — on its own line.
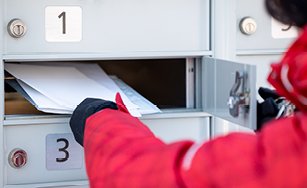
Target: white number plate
(280,31)
(63,152)
(63,23)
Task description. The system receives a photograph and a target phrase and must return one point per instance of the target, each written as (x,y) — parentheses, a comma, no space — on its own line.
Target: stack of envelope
(60,87)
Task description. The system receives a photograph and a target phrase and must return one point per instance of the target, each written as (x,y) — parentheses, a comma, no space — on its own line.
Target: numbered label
(63,152)
(280,31)
(63,23)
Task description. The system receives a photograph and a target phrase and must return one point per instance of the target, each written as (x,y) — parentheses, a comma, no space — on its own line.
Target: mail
(60,87)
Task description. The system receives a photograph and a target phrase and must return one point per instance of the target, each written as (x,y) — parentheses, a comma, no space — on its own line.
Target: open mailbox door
(229,91)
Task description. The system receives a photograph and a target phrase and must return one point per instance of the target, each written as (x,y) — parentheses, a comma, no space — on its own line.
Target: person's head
(290,12)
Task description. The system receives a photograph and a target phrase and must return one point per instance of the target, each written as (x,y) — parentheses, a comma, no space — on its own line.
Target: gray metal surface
(262,39)
(218,79)
(115,25)
(1,93)
(32,139)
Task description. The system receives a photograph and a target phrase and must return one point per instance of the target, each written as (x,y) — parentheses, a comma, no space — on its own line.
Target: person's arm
(120,151)
(228,161)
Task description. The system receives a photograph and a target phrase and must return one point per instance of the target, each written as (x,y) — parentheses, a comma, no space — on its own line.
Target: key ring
(286,108)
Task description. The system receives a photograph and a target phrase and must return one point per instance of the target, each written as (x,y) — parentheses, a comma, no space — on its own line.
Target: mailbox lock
(16,28)
(17,158)
(248,26)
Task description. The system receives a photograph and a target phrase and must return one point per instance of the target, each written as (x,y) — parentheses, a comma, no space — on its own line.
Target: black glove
(84,110)
(268,109)
(268,93)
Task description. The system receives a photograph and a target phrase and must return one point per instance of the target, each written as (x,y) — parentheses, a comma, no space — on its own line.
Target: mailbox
(161,49)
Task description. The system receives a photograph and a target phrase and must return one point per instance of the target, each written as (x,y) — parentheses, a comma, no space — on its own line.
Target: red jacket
(121,152)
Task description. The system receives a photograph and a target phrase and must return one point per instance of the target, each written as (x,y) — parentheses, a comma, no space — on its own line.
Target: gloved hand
(85,109)
(268,109)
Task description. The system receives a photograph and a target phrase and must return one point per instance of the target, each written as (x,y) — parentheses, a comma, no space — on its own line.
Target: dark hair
(291,12)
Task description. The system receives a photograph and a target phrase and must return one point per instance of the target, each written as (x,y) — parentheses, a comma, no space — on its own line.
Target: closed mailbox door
(262,31)
(108,26)
(229,91)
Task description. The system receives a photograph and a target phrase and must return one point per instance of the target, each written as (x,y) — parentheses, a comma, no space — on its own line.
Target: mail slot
(195,84)
(167,83)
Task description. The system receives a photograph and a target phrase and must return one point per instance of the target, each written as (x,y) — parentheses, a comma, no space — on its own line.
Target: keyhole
(249,27)
(18,30)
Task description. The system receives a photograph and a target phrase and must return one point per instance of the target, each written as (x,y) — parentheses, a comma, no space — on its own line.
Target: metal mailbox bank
(179,54)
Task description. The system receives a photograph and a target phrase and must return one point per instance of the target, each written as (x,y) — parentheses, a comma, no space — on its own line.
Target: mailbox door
(229,91)
(52,153)
(108,26)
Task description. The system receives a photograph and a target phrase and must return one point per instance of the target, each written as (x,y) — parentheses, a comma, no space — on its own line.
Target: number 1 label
(63,152)
(63,24)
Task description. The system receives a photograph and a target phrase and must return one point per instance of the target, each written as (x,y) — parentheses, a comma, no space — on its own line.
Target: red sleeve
(122,152)
(276,157)
(228,161)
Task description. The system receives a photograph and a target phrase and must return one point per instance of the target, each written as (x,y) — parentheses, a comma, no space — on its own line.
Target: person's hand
(85,109)
(269,108)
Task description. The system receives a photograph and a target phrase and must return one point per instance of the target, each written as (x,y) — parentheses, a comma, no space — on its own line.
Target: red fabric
(120,103)
(276,157)
(122,152)
(289,77)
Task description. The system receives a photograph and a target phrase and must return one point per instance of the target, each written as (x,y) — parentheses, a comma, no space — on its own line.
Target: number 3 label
(63,152)
(63,23)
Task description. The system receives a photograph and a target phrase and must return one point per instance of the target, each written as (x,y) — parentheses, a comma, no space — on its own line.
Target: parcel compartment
(172,84)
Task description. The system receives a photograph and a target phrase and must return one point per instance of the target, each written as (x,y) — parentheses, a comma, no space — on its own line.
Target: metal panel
(115,26)
(180,128)
(222,127)
(2,98)
(52,185)
(218,80)
(263,38)
(32,139)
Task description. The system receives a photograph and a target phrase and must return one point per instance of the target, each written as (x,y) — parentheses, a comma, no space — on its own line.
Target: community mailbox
(162,49)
